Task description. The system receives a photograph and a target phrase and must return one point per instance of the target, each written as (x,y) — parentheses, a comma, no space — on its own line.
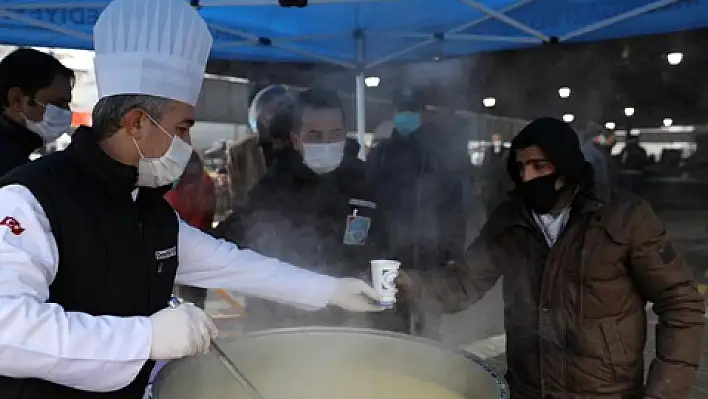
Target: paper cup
(383,278)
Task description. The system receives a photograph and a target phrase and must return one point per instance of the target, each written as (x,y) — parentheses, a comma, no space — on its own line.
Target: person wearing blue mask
(423,187)
(407,117)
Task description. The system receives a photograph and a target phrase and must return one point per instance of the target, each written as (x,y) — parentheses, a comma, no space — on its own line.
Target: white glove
(355,295)
(177,332)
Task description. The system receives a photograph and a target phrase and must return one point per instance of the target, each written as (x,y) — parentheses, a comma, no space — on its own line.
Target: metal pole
(360,94)
(616,19)
(506,19)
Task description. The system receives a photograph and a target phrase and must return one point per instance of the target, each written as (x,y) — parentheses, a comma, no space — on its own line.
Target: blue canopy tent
(361,34)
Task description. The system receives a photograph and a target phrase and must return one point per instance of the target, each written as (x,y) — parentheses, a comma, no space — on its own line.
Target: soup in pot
(339,383)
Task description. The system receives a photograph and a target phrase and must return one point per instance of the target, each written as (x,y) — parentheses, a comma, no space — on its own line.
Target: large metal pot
(326,349)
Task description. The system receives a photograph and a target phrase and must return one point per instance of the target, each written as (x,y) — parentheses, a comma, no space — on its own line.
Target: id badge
(357,230)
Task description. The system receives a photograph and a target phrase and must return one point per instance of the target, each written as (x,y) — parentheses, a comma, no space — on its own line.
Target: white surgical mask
(323,157)
(56,121)
(165,170)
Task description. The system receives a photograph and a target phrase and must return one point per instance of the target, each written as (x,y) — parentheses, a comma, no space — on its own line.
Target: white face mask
(165,170)
(323,157)
(56,121)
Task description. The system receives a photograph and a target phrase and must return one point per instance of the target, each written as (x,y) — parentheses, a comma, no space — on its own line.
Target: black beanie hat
(559,142)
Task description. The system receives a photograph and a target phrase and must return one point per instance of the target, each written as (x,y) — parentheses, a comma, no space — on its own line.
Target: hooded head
(545,161)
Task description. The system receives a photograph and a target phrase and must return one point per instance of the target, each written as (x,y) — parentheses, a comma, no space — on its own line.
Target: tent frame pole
(616,19)
(53,5)
(453,34)
(361,92)
(491,38)
(203,3)
(486,17)
(507,20)
(251,3)
(459,36)
(280,40)
(254,39)
(457,29)
(400,53)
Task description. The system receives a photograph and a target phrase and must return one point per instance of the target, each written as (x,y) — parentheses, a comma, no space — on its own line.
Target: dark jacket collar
(23,139)
(289,162)
(514,211)
(421,134)
(290,168)
(112,175)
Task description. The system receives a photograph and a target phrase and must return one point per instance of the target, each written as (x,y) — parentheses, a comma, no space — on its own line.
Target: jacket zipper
(545,308)
(139,225)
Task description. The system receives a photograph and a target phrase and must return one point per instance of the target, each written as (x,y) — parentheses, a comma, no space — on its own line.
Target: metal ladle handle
(225,360)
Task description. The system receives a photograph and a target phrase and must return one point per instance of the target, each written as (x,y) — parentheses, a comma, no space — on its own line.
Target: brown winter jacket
(575,314)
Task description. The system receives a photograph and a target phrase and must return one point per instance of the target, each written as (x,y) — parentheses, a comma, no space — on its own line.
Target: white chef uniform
(153,47)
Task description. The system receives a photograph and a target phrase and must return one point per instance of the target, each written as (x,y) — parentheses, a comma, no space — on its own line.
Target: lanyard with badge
(358,222)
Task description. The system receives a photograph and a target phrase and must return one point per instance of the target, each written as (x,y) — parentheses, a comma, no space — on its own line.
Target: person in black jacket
(421,178)
(35,92)
(314,209)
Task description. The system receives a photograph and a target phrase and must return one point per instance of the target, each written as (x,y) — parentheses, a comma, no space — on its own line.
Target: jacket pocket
(615,355)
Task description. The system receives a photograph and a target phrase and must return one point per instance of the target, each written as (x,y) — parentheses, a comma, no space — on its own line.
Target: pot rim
(501,382)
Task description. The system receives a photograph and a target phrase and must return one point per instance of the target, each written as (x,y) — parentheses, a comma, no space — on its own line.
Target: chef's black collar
(26,140)
(113,175)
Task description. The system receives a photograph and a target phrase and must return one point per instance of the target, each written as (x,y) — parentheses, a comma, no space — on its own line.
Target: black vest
(116,256)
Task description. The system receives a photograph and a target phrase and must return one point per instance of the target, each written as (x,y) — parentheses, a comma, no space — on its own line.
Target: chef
(89,249)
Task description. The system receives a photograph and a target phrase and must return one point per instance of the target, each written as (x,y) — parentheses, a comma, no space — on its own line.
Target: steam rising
(525,84)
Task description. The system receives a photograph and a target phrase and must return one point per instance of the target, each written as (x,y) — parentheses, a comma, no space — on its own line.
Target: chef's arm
(662,278)
(40,339)
(207,262)
(459,284)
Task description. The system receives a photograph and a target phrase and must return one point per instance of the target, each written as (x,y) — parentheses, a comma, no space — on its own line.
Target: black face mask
(540,194)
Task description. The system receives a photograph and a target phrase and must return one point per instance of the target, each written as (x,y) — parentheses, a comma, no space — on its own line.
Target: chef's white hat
(153,47)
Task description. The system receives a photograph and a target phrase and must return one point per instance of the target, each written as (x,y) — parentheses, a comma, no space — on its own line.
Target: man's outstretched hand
(406,285)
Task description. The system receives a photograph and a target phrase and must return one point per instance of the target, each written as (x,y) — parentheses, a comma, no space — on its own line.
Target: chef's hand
(355,295)
(177,332)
